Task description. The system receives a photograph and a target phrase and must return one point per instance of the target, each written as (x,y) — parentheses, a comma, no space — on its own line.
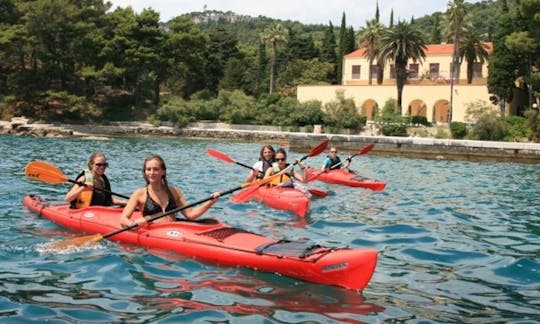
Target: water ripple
(456,241)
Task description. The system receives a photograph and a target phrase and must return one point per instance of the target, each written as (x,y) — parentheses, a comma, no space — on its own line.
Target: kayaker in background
(266,158)
(287,179)
(332,161)
(94,179)
(159,197)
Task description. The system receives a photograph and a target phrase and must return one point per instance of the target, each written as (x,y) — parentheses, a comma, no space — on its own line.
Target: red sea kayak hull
(281,198)
(212,241)
(343,177)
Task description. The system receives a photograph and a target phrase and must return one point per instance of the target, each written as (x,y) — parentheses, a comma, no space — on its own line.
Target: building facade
(427,91)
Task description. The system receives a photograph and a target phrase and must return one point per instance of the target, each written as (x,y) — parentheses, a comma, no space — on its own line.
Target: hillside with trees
(66,61)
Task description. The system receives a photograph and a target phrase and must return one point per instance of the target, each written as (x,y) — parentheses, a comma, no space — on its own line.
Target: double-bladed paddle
(363,150)
(224,157)
(46,172)
(244,195)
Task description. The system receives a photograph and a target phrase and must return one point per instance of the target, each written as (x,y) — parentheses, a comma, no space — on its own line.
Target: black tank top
(152,208)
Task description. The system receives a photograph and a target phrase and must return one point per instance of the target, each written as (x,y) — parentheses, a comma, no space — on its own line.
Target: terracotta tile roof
(431,49)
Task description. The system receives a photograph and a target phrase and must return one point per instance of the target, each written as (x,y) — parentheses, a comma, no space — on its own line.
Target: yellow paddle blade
(43,171)
(78,241)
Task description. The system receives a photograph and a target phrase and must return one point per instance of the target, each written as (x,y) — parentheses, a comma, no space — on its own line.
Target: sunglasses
(280,159)
(333,151)
(102,164)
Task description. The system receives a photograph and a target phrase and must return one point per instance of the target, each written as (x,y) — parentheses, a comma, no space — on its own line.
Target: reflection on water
(457,242)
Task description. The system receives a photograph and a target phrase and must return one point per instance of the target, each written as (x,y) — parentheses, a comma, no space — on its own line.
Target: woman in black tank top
(158,197)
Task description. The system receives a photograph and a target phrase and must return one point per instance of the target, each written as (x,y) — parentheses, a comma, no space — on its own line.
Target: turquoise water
(457,242)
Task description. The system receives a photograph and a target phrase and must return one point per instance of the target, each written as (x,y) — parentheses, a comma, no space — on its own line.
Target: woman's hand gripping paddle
(46,172)
(244,195)
(98,237)
(224,157)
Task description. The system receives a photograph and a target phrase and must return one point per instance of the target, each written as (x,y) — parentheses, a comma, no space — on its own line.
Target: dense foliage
(72,61)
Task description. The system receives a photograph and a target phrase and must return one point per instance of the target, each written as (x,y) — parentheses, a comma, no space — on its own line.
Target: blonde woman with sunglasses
(93,186)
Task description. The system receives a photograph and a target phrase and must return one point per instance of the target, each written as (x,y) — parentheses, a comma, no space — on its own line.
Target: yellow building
(426,93)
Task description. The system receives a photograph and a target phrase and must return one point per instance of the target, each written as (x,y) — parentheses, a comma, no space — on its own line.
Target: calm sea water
(457,242)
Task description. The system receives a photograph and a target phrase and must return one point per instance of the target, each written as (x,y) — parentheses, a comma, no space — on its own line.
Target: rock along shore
(417,147)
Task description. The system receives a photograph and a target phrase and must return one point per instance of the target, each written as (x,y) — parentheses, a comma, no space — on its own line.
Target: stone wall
(418,147)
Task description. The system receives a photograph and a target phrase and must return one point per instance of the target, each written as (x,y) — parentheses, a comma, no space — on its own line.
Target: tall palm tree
(455,13)
(274,36)
(399,44)
(368,38)
(472,50)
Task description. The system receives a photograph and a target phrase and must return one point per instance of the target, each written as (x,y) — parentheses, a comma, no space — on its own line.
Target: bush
(533,124)
(420,120)
(489,127)
(441,133)
(517,128)
(394,129)
(458,130)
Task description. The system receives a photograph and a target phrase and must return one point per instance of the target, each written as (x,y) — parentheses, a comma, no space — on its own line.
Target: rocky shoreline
(416,147)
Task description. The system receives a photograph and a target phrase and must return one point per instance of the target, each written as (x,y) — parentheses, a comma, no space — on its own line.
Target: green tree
(341,48)
(187,46)
(402,43)
(369,38)
(455,13)
(298,72)
(351,41)
(274,36)
(472,50)
(223,45)
(435,36)
(328,52)
(502,64)
(300,46)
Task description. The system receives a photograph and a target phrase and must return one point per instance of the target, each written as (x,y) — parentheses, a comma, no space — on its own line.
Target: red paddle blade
(318,193)
(243,195)
(366,149)
(317,149)
(219,155)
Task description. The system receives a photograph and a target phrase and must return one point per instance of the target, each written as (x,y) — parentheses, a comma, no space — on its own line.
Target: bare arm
(254,172)
(129,209)
(347,162)
(76,190)
(301,176)
(119,202)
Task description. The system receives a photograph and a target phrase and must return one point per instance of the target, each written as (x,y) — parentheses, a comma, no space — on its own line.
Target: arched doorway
(440,111)
(417,107)
(369,109)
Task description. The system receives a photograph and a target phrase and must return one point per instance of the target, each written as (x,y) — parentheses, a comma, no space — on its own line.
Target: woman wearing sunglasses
(287,178)
(92,187)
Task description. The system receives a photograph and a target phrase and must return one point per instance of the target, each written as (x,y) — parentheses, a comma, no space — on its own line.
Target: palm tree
(455,13)
(274,36)
(399,44)
(472,50)
(368,38)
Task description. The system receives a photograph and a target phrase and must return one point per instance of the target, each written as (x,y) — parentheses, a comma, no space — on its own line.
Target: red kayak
(212,241)
(344,177)
(282,198)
